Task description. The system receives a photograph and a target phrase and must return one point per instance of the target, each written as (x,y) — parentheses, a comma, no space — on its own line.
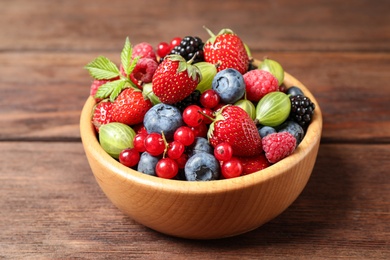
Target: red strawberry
(175,79)
(234,126)
(102,114)
(227,50)
(130,107)
(254,163)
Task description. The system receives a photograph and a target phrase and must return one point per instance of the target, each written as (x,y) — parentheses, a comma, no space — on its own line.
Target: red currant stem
(217,64)
(207,116)
(165,144)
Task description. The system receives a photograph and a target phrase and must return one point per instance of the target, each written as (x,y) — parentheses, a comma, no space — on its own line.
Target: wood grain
(52,207)
(266,25)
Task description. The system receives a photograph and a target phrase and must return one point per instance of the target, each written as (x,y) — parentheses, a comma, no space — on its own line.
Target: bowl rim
(312,137)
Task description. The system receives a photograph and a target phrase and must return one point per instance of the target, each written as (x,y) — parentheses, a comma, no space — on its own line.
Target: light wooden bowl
(204,210)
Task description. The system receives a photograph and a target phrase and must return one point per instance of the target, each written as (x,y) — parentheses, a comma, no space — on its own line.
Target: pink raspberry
(259,83)
(144,50)
(278,146)
(144,70)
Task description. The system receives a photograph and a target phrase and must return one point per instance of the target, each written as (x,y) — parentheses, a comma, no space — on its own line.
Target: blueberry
(265,130)
(230,85)
(293,128)
(202,167)
(294,91)
(147,164)
(200,145)
(163,118)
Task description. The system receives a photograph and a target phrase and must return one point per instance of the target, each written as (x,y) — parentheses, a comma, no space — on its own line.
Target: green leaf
(133,64)
(102,68)
(111,89)
(126,56)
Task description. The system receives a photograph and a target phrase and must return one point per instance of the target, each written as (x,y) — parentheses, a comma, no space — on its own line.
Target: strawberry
(234,126)
(102,114)
(254,163)
(227,50)
(175,79)
(130,107)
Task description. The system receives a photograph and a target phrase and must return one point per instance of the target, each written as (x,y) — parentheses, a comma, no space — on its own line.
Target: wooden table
(50,204)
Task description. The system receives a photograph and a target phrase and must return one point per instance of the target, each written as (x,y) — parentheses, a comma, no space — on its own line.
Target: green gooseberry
(274,68)
(273,109)
(114,137)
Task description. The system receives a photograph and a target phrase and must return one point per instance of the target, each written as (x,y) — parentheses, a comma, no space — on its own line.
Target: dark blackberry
(188,47)
(192,99)
(302,110)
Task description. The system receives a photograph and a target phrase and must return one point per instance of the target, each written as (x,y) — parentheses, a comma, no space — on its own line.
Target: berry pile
(191,111)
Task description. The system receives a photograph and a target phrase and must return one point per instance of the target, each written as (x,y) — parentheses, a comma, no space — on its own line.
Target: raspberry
(144,50)
(278,146)
(144,70)
(188,47)
(259,83)
(302,110)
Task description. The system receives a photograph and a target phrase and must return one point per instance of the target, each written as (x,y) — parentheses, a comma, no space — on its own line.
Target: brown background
(50,204)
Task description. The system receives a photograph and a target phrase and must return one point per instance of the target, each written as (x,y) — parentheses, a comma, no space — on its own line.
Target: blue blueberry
(200,145)
(294,91)
(163,118)
(202,167)
(265,130)
(293,128)
(147,164)
(230,85)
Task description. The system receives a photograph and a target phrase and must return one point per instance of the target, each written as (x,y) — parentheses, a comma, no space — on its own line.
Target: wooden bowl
(204,210)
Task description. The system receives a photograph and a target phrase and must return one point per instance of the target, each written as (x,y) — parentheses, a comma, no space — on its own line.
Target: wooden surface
(50,204)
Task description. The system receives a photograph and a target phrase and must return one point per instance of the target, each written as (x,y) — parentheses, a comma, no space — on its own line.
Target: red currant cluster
(173,152)
(164,48)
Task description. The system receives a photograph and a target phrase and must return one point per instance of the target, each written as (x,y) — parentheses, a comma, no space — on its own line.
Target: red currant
(181,162)
(129,157)
(174,42)
(208,115)
(192,115)
(154,144)
(232,168)
(223,151)
(139,142)
(200,130)
(167,168)
(184,135)
(175,149)
(163,49)
(209,98)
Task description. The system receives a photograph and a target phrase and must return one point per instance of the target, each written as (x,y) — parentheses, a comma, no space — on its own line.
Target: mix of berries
(196,111)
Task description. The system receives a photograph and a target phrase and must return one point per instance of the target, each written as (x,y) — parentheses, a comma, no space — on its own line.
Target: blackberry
(188,47)
(192,99)
(302,110)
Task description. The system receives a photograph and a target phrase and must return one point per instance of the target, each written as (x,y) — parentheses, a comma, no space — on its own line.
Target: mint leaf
(126,54)
(111,89)
(102,68)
